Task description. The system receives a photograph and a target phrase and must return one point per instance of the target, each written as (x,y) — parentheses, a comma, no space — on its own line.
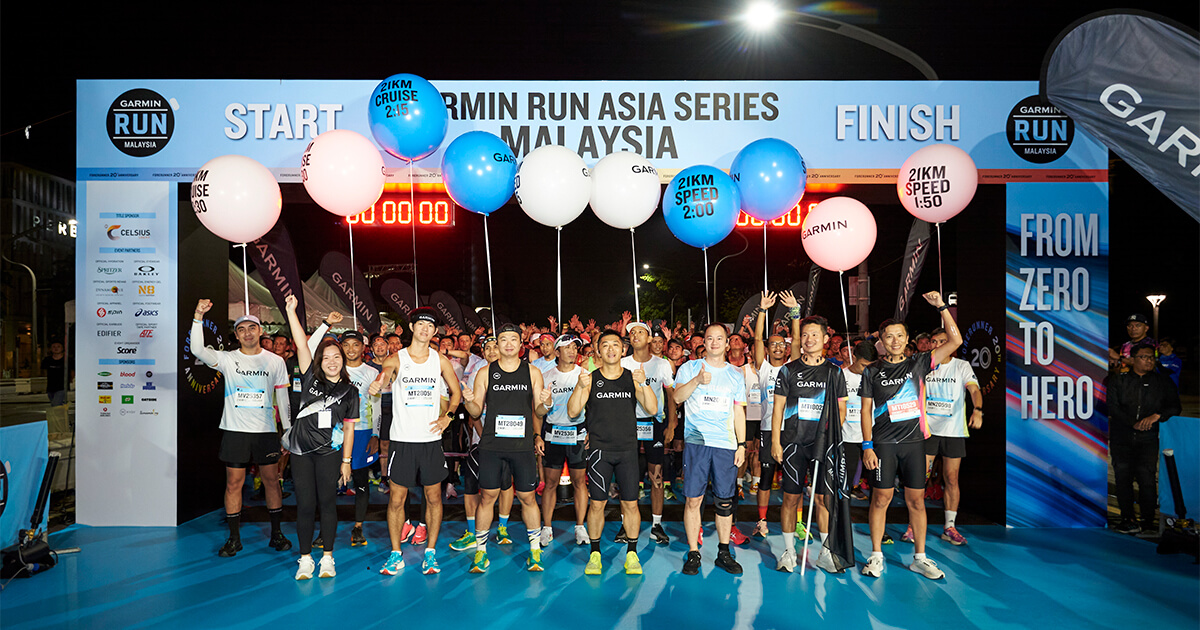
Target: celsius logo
(140,122)
(111,229)
(1038,131)
(115,233)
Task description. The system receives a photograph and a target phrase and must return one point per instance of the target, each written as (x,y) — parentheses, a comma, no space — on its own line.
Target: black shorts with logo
(416,464)
(655,449)
(603,465)
(906,459)
(471,476)
(239,449)
(797,464)
(494,464)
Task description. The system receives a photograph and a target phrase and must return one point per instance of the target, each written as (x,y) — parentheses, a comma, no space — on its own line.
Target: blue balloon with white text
(701,205)
(408,116)
(479,170)
(771,176)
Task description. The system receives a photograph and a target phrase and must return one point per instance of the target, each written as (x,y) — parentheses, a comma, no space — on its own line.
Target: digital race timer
(396,208)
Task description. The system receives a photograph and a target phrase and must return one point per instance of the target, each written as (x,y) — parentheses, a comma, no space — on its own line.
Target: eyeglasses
(778,344)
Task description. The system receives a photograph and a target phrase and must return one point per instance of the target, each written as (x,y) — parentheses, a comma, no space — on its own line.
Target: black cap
(353,334)
(508,328)
(657,333)
(424,314)
(1137,317)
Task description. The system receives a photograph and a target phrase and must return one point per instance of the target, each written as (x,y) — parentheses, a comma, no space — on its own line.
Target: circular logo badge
(1038,131)
(981,348)
(140,122)
(495,376)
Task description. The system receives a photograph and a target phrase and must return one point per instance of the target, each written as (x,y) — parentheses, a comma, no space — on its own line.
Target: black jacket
(1131,398)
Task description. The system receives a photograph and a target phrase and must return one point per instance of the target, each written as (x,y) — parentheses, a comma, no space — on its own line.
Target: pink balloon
(343,172)
(838,233)
(236,198)
(937,182)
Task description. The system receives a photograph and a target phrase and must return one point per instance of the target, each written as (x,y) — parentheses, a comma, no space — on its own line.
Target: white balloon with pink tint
(839,233)
(342,172)
(937,182)
(236,198)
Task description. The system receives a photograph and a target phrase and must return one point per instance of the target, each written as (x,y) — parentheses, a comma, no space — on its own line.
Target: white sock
(757,480)
(877,554)
(580,528)
(657,519)
(822,536)
(789,540)
(547,529)
(918,556)
(950,516)
(535,541)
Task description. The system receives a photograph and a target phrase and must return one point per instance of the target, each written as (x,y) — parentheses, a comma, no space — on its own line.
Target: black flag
(400,295)
(275,259)
(814,276)
(834,479)
(448,307)
(335,269)
(914,261)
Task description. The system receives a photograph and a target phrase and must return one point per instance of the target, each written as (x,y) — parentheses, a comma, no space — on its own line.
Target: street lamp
(1155,300)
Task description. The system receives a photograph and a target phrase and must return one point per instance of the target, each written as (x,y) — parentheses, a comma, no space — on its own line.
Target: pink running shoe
(951,535)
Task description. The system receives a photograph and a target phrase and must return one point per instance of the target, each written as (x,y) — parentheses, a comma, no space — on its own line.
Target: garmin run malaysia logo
(1038,131)
(141,122)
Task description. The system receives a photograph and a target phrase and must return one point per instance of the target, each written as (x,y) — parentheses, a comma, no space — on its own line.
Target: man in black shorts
(656,427)
(256,385)
(512,427)
(894,441)
(564,437)
(612,395)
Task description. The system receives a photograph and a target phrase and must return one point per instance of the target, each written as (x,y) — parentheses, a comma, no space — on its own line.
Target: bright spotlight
(761,16)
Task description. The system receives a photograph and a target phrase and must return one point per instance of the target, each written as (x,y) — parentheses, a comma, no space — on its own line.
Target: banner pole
(412,214)
(245,278)
(637,305)
(487,245)
(707,296)
(353,277)
(812,498)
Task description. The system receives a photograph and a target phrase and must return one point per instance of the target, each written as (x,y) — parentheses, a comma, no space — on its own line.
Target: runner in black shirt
(894,431)
(612,394)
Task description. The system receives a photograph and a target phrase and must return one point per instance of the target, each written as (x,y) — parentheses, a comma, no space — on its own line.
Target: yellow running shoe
(534,563)
(502,536)
(633,566)
(594,566)
(480,565)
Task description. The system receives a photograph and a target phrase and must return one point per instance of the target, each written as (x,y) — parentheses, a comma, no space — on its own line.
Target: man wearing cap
(416,376)
(564,437)
(1137,327)
(545,347)
(655,427)
(658,342)
(255,386)
(516,402)
(366,430)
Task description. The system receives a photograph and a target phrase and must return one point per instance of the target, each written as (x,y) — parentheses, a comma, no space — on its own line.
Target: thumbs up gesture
(377,384)
(705,376)
(585,379)
(468,394)
(639,376)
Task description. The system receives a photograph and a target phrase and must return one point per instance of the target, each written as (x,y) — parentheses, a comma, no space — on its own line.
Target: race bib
(901,410)
(809,409)
(755,396)
(252,398)
(296,384)
(418,395)
(645,431)
(939,407)
(567,436)
(713,403)
(324,419)
(853,412)
(510,426)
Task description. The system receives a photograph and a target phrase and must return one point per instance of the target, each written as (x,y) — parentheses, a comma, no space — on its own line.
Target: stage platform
(129,577)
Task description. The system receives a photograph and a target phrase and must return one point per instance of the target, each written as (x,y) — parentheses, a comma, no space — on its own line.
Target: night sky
(44,48)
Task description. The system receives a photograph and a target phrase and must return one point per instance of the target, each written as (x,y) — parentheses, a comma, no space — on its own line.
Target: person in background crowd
(1137,327)
(366,430)
(1138,401)
(267,343)
(1168,362)
(675,353)
(924,342)
(770,354)
(55,367)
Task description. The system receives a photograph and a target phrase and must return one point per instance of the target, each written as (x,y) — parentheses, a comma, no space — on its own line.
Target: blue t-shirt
(709,410)
(1171,366)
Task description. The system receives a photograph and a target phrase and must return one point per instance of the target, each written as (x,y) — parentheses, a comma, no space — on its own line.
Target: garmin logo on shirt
(809,384)
(894,382)
(614,394)
(561,390)
(250,372)
(406,380)
(510,388)
(940,379)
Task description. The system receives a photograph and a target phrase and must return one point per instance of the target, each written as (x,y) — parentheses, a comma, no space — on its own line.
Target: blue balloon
(479,170)
(408,116)
(771,175)
(701,205)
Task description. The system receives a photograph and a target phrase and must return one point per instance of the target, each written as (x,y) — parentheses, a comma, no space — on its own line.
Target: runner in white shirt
(256,385)
(864,356)
(946,406)
(656,427)
(564,437)
(769,356)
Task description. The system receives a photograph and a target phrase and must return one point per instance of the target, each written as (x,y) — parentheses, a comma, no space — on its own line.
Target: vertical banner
(336,270)
(914,262)
(275,259)
(1057,354)
(125,384)
(400,295)
(814,278)
(448,307)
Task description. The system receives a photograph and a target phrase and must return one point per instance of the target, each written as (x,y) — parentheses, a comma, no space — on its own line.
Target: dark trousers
(1135,459)
(362,483)
(315,479)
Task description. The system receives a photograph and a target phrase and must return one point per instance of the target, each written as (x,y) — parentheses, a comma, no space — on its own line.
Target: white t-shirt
(946,398)
(754,394)
(483,412)
(368,406)
(767,374)
(852,428)
(561,385)
(251,382)
(416,398)
(658,375)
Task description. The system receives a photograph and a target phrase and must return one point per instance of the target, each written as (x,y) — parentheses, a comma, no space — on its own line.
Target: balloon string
(353,277)
(559,320)
(637,306)
(487,245)
(939,237)
(707,295)
(765,289)
(845,314)
(245,278)
(412,214)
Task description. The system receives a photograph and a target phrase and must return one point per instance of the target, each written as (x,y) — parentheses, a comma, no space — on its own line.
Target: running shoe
(429,565)
(725,561)
(760,529)
(384,486)
(305,572)
(541,486)
(874,567)
(667,494)
(801,531)
(406,532)
(326,568)
(547,536)
(356,538)
(887,539)
(451,493)
(595,564)
(951,534)
(741,494)
(908,535)
(691,563)
(1127,526)
(230,548)
(659,535)
(633,566)
(620,537)
(464,542)
(754,487)
(420,535)
(858,495)
(319,543)
(700,536)
(775,483)
(825,561)
(928,568)
(534,563)
(787,561)
(736,536)
(502,536)
(581,535)
(394,563)
(279,542)
(480,564)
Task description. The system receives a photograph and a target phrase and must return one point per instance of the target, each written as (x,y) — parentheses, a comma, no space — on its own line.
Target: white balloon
(552,185)
(236,198)
(625,190)
(343,172)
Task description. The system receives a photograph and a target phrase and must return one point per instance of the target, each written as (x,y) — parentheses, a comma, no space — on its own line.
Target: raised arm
(760,325)
(789,301)
(304,352)
(954,337)
(199,350)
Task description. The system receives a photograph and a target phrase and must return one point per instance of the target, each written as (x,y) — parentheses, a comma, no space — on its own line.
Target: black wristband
(943,307)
